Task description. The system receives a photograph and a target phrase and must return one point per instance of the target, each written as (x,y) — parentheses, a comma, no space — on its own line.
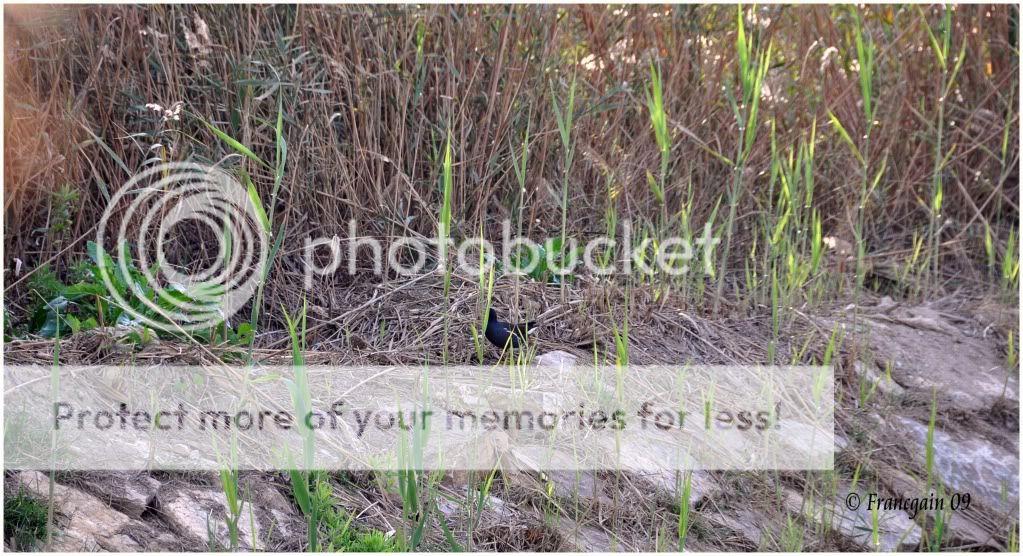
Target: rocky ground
(895,361)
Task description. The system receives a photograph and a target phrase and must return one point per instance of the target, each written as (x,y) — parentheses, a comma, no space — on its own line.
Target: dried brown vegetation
(370,94)
(369,98)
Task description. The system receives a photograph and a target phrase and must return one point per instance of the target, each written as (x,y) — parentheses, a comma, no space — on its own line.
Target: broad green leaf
(934,41)
(300,488)
(257,203)
(955,70)
(654,187)
(52,327)
(82,289)
(233,143)
(845,137)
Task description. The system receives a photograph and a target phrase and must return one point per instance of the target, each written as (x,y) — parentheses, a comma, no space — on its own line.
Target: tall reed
(753,63)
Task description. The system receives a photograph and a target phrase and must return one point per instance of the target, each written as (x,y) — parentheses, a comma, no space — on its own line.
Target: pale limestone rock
(896,531)
(194,513)
(585,538)
(557,360)
(969,464)
(90,524)
(961,523)
(129,492)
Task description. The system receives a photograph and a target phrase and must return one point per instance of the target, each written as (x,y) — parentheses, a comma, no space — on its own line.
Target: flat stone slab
(129,492)
(968,464)
(90,524)
(197,513)
(896,531)
(925,352)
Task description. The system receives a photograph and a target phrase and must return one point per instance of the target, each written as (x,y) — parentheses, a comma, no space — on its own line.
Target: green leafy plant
(87,304)
(659,122)
(929,447)
(1011,355)
(478,498)
(416,487)
(940,516)
(336,525)
(537,261)
(25,519)
(948,70)
(443,234)
(64,205)
(792,534)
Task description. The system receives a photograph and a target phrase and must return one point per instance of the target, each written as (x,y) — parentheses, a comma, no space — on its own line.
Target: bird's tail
(524,328)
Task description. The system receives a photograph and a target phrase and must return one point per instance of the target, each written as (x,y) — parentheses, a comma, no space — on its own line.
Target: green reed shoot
(302,401)
(520,164)
(875,526)
(929,448)
(940,518)
(752,69)
(266,220)
(229,482)
(1010,266)
(565,119)
(443,234)
(416,489)
(659,122)
(1011,355)
(684,510)
(947,76)
(485,281)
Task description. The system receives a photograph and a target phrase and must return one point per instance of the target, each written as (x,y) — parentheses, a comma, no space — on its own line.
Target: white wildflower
(622,53)
(755,20)
(829,53)
(592,63)
(150,31)
(171,113)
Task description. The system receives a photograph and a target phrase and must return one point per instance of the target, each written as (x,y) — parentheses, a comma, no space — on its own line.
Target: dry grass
(369,95)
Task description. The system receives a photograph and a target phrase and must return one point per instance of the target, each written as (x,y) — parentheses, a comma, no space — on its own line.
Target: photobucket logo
(601,256)
(181,198)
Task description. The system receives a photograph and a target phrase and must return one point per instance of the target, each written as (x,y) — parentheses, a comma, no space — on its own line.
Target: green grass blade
(257,203)
(232,142)
(845,137)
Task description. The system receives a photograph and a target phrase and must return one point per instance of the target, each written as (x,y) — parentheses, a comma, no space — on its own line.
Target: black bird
(499,333)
